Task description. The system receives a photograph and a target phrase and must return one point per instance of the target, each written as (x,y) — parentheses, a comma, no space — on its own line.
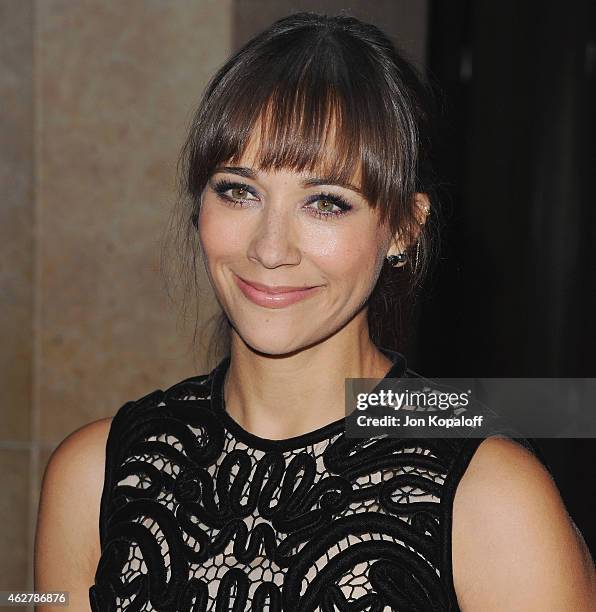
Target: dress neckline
(324,432)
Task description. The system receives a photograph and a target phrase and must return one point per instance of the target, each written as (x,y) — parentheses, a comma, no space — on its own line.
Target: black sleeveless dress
(197,514)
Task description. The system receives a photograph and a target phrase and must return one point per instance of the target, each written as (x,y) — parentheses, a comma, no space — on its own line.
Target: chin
(268,339)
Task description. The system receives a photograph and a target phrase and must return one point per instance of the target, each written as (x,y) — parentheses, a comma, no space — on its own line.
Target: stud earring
(395,259)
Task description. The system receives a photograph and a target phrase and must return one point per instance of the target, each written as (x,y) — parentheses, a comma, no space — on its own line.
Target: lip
(273,297)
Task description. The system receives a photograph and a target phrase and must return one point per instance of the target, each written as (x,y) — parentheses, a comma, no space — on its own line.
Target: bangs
(314,103)
(292,135)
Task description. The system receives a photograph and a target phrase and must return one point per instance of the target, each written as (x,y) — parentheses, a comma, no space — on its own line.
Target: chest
(238,528)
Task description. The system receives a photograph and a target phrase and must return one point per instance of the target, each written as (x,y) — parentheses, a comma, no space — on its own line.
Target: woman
(309,183)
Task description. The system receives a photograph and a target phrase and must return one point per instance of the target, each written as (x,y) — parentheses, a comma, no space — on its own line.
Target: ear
(422,207)
(421,211)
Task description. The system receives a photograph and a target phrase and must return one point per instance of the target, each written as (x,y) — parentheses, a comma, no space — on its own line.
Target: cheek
(219,235)
(351,254)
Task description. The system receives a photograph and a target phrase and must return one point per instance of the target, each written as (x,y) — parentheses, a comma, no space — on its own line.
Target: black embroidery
(199,515)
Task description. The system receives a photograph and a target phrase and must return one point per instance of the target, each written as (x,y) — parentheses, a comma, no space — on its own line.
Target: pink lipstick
(278,296)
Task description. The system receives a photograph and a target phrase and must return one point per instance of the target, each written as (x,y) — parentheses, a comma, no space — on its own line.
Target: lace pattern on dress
(193,518)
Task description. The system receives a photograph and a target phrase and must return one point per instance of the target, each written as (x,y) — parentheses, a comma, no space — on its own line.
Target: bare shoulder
(514,545)
(78,462)
(67,543)
(84,443)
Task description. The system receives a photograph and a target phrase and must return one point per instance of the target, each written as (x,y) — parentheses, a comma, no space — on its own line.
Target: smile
(274,297)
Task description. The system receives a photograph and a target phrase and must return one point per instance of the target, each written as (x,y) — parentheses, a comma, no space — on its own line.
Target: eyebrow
(308,182)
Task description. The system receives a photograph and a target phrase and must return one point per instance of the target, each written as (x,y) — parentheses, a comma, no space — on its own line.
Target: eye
(239,191)
(329,200)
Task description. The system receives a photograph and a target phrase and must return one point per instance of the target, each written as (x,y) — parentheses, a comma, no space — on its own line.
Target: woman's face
(273,229)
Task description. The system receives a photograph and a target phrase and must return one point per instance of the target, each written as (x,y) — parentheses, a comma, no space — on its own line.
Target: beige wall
(95,99)
(17,214)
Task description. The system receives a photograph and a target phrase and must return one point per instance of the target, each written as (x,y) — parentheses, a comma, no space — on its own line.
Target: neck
(282,396)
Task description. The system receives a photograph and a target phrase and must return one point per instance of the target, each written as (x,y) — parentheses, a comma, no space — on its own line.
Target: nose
(274,241)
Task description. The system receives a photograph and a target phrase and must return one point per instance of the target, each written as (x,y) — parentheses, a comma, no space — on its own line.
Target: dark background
(514,292)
